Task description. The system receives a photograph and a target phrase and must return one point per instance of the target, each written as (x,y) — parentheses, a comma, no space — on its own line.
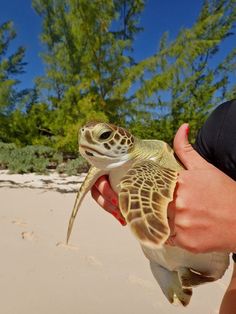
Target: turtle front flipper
(90,179)
(145,192)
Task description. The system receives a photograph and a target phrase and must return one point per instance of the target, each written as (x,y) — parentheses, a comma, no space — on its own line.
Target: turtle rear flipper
(191,278)
(170,285)
(145,192)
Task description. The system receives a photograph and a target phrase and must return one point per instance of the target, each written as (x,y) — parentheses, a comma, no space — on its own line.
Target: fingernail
(114,201)
(123,222)
(187,130)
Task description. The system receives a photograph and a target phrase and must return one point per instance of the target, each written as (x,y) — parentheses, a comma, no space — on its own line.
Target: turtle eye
(105,135)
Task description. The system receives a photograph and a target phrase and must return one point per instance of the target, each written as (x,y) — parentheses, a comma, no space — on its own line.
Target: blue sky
(159,16)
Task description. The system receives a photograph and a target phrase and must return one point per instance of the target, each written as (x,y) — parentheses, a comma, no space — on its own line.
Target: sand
(52,181)
(102,271)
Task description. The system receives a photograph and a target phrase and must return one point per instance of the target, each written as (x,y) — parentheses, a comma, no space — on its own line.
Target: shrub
(39,159)
(27,159)
(5,153)
(73,167)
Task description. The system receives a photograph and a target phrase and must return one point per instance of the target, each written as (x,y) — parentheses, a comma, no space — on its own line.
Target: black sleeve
(216,140)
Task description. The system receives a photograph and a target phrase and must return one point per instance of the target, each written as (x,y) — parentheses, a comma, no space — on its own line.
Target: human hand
(107,198)
(202,215)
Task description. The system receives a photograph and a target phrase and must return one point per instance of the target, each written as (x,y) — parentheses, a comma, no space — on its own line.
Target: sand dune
(101,271)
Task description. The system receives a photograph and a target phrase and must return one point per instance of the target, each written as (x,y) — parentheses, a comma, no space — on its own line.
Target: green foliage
(88,49)
(73,167)
(12,100)
(33,126)
(91,74)
(39,159)
(21,161)
(26,159)
(183,81)
(5,153)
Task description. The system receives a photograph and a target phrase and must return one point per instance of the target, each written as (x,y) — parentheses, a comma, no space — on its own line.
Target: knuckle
(186,224)
(188,148)
(183,178)
(183,148)
(182,222)
(193,249)
(179,203)
(191,246)
(188,245)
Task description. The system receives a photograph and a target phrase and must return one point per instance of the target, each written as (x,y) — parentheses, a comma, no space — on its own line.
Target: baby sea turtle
(144,174)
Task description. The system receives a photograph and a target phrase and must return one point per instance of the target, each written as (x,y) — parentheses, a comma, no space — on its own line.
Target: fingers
(103,186)
(107,198)
(187,243)
(104,203)
(187,155)
(170,241)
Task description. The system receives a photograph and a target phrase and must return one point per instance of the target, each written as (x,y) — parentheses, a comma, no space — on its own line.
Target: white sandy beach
(102,271)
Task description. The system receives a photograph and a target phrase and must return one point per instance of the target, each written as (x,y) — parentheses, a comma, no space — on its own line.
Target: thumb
(185,152)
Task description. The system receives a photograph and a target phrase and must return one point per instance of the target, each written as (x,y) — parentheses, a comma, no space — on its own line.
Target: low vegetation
(92,72)
(39,159)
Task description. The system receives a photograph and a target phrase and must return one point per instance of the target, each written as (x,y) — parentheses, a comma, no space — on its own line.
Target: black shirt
(216,140)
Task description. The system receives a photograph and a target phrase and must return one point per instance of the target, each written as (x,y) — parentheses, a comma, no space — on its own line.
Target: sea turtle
(144,174)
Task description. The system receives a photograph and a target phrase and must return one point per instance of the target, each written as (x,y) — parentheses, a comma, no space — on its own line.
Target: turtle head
(105,145)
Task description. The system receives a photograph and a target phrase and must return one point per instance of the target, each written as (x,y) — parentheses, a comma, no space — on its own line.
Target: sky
(158,16)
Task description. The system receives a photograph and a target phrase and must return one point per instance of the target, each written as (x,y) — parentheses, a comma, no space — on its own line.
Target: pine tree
(11,66)
(185,80)
(88,50)
(91,74)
